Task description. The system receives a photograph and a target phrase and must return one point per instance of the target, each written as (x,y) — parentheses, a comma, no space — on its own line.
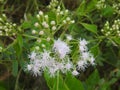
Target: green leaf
(92,80)
(73,83)
(2,88)
(95,50)
(18,46)
(53,83)
(3,85)
(117,40)
(70,82)
(86,7)
(112,81)
(61,84)
(81,9)
(20,40)
(90,27)
(108,11)
(91,5)
(26,25)
(15,68)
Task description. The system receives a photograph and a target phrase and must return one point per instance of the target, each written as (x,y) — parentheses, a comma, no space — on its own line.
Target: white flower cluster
(101,4)
(58,60)
(55,55)
(86,58)
(7,28)
(61,48)
(40,62)
(112,30)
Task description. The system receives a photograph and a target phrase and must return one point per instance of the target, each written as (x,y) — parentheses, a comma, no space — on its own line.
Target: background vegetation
(90,18)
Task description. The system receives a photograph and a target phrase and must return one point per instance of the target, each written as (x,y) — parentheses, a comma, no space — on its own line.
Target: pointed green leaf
(90,27)
(73,83)
(92,80)
(95,50)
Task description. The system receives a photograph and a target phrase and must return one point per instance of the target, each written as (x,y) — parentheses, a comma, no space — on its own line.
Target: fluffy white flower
(36,71)
(85,55)
(34,67)
(86,58)
(61,48)
(68,66)
(82,48)
(29,67)
(39,62)
(83,42)
(32,56)
(46,59)
(52,72)
(92,60)
(82,64)
(82,45)
(75,73)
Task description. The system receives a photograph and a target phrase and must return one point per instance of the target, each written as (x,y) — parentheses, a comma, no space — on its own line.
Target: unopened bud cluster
(63,13)
(112,30)
(116,7)
(7,28)
(53,4)
(101,4)
(45,27)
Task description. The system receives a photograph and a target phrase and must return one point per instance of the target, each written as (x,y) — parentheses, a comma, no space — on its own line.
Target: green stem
(63,33)
(57,80)
(10,45)
(29,36)
(17,80)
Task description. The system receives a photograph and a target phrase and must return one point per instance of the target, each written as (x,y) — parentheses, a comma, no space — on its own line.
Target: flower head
(75,73)
(32,55)
(61,48)
(82,45)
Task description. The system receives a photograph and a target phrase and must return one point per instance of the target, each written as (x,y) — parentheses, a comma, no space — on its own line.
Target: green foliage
(90,18)
(91,28)
(73,83)
(69,83)
(107,12)
(15,68)
(92,81)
